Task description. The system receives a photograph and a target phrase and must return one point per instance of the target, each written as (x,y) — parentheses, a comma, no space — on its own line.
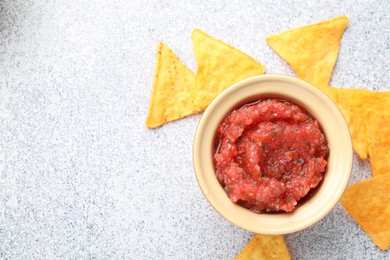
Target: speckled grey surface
(80,175)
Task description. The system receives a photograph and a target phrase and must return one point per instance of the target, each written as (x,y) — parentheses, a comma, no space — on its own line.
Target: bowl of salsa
(272,154)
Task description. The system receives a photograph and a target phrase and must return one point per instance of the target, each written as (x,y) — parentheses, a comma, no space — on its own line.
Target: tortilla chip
(311,50)
(172,89)
(352,104)
(368,202)
(219,66)
(378,129)
(379,146)
(265,247)
(368,115)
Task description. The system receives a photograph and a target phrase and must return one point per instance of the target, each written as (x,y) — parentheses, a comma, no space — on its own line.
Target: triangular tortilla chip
(219,66)
(351,103)
(311,50)
(265,247)
(172,89)
(368,202)
(378,131)
(368,115)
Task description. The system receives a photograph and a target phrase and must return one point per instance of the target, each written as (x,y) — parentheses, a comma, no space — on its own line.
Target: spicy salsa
(269,155)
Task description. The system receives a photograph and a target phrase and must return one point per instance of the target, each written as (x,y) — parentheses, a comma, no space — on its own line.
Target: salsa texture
(269,155)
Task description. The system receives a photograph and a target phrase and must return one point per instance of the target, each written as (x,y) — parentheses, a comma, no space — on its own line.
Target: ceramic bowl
(315,103)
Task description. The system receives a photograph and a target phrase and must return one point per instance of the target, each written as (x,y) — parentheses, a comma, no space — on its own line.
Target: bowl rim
(268,86)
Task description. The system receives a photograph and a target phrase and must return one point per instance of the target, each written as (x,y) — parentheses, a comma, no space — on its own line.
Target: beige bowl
(320,107)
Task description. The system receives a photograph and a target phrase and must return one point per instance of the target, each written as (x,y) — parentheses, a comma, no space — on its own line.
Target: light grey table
(81,177)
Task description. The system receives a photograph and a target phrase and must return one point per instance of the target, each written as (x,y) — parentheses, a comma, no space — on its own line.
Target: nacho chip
(172,89)
(378,131)
(368,202)
(353,105)
(219,66)
(379,146)
(311,50)
(265,247)
(367,114)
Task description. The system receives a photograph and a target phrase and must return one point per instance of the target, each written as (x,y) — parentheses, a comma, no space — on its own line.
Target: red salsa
(269,155)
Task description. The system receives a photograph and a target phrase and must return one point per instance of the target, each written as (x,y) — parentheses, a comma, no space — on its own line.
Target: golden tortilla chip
(368,202)
(265,247)
(311,50)
(219,66)
(368,115)
(352,104)
(172,89)
(378,130)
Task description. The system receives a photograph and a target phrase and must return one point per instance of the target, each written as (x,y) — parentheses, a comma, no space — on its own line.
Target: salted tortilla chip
(352,104)
(378,130)
(368,202)
(219,66)
(368,115)
(172,89)
(379,147)
(311,50)
(265,247)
